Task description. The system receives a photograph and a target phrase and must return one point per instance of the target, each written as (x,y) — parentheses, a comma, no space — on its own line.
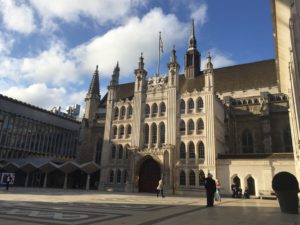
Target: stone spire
(115,75)
(208,74)
(209,65)
(141,62)
(94,89)
(192,57)
(173,56)
(193,41)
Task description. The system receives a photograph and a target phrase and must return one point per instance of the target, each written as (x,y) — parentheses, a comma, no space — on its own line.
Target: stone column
(66,181)
(87,186)
(45,180)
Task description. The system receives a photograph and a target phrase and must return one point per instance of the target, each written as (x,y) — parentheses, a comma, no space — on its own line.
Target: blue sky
(49,49)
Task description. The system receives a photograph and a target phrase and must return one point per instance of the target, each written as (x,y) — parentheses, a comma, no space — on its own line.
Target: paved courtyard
(58,207)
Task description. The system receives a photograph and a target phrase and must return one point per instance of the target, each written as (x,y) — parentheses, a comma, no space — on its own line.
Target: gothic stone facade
(231,122)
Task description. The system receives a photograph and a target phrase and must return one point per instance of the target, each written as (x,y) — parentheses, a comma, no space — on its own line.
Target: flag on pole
(161,45)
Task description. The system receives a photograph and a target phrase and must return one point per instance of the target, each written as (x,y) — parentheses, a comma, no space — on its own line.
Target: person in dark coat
(8,180)
(210,186)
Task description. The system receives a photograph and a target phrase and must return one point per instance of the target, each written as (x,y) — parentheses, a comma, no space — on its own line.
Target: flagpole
(158,65)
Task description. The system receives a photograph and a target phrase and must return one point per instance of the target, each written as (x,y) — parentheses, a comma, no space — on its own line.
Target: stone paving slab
(58,207)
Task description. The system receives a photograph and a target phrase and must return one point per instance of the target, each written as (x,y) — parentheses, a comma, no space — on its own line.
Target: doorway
(149,176)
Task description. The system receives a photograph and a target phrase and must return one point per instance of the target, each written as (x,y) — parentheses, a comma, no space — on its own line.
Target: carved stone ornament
(156,82)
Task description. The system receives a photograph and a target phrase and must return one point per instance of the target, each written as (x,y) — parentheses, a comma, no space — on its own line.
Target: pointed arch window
(247,142)
(113,152)
(119,176)
(191,126)
(200,104)
(201,152)
(192,178)
(154,133)
(146,134)
(200,126)
(129,111)
(201,178)
(182,151)
(125,176)
(120,156)
(154,110)
(129,130)
(126,152)
(111,176)
(191,105)
(122,113)
(182,178)
(182,127)
(115,132)
(162,133)
(121,131)
(182,106)
(191,150)
(147,110)
(162,109)
(116,113)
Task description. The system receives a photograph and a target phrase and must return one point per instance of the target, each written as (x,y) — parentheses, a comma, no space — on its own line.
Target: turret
(140,75)
(208,74)
(174,68)
(115,76)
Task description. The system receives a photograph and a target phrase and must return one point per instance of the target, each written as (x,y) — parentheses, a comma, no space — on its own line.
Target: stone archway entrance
(149,176)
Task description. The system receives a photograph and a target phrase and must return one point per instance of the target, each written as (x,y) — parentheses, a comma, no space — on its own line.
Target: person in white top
(160,188)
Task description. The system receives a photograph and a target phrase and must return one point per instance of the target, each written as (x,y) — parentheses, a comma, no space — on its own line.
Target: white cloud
(6,43)
(219,59)
(199,13)
(125,43)
(71,10)
(40,95)
(17,17)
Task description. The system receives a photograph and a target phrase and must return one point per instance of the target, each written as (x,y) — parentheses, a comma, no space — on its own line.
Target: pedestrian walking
(218,193)
(160,188)
(210,186)
(8,180)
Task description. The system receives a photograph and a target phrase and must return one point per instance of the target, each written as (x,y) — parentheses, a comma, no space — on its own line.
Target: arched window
(182,151)
(287,140)
(201,153)
(192,178)
(116,113)
(162,108)
(122,112)
(182,178)
(120,156)
(251,185)
(146,134)
(126,151)
(98,151)
(118,176)
(129,111)
(182,106)
(237,181)
(128,130)
(191,126)
(191,105)
(121,131)
(125,176)
(113,152)
(162,133)
(115,132)
(154,133)
(147,110)
(201,178)
(182,126)
(154,109)
(200,104)
(111,176)
(200,125)
(192,150)
(247,142)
